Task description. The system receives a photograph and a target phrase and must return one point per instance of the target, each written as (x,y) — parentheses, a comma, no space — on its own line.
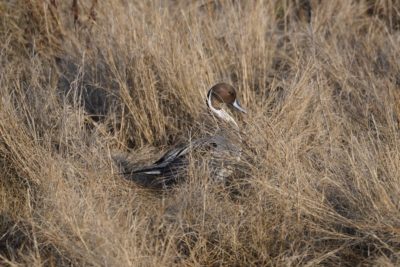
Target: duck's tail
(164,172)
(146,177)
(150,170)
(156,176)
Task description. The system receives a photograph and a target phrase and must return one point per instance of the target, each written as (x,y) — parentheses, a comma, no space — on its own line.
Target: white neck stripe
(222,114)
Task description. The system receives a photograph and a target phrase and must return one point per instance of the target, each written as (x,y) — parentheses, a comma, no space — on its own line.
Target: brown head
(220,94)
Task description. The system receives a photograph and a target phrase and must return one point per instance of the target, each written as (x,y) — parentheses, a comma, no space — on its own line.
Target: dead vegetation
(83,80)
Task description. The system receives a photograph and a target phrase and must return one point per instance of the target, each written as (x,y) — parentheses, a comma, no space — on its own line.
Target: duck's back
(217,150)
(218,145)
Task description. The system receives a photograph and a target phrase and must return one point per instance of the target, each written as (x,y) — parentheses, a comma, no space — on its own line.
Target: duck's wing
(166,171)
(172,159)
(172,166)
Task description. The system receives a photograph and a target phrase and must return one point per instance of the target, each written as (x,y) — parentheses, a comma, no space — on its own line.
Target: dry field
(83,81)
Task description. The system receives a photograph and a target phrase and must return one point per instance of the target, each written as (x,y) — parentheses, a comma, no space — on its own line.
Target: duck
(223,146)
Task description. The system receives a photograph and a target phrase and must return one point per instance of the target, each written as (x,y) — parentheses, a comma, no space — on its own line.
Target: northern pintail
(223,146)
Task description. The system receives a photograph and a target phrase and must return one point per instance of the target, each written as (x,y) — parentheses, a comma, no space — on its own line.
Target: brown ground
(320,181)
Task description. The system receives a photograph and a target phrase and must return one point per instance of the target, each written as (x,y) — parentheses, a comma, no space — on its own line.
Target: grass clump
(82,81)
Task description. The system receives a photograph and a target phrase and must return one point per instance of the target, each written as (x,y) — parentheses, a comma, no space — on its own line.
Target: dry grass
(320,183)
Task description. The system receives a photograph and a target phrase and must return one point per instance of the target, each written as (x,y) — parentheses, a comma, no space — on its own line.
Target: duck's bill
(238,107)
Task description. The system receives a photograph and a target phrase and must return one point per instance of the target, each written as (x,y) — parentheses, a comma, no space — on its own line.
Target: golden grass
(320,183)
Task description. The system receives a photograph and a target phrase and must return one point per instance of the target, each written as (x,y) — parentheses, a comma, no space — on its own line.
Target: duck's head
(220,96)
